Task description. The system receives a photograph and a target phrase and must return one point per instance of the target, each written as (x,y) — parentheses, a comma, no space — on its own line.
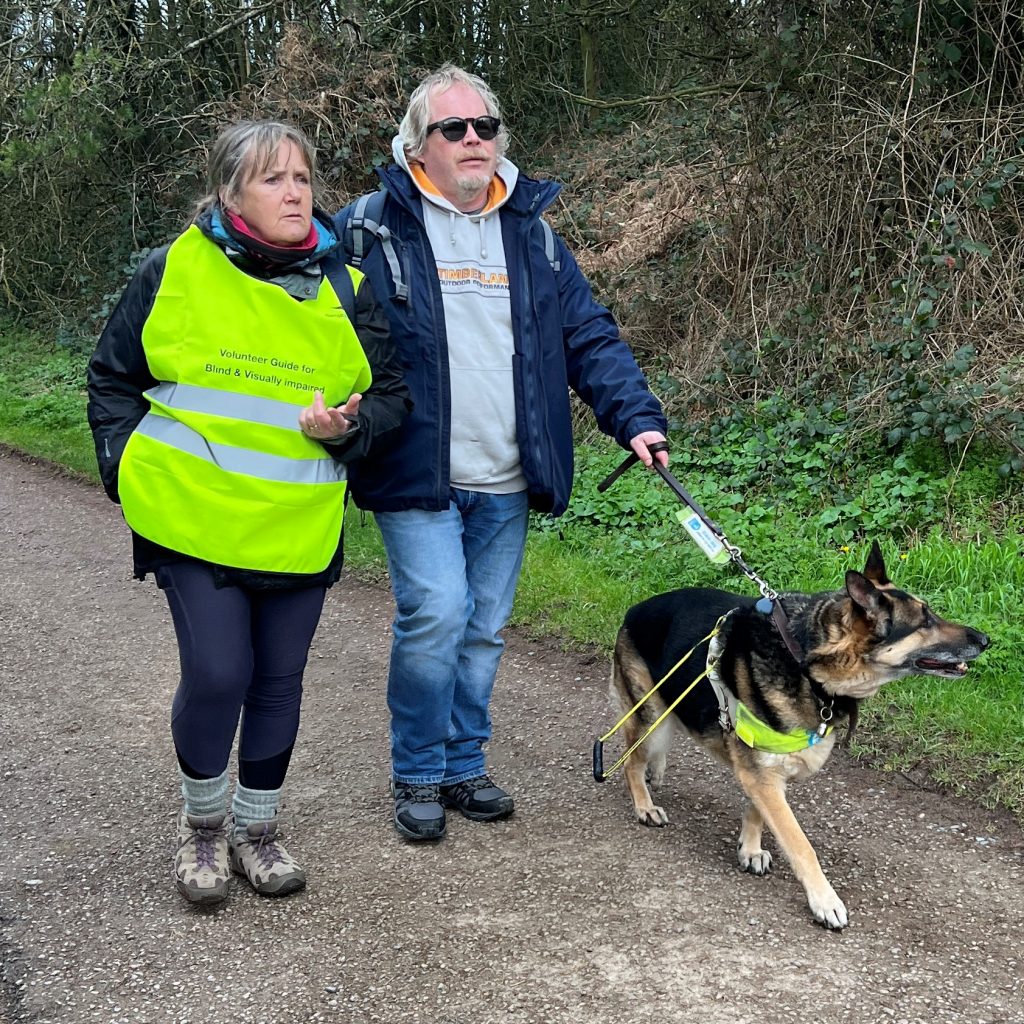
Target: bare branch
(693,92)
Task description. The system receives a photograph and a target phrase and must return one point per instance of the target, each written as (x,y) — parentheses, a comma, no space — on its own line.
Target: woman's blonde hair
(245,149)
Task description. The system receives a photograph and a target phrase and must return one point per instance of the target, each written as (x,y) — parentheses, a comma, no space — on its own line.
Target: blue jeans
(453,575)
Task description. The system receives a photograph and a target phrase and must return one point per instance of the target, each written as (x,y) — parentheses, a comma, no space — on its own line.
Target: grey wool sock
(205,797)
(253,805)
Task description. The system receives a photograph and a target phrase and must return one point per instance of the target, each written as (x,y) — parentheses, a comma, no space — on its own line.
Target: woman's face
(277,202)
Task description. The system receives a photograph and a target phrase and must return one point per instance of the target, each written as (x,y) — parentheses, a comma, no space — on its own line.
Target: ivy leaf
(976,247)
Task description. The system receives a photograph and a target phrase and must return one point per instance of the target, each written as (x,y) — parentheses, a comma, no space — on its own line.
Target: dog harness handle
(599,773)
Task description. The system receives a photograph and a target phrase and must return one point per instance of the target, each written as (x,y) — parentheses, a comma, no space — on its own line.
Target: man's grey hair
(413,129)
(244,150)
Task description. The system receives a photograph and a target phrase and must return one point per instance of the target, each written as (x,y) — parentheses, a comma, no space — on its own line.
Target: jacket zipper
(444,382)
(529,305)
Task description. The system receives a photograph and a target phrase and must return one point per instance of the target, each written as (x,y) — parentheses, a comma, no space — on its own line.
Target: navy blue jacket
(563,338)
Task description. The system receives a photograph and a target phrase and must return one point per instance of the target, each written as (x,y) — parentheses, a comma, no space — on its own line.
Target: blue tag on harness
(764,606)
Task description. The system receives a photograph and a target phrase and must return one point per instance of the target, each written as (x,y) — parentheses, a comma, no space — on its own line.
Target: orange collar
(496,191)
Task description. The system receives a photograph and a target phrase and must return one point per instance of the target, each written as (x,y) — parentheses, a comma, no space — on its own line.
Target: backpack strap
(364,227)
(549,245)
(341,281)
(355,232)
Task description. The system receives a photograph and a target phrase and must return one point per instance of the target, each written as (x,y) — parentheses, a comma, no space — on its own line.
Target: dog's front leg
(768,795)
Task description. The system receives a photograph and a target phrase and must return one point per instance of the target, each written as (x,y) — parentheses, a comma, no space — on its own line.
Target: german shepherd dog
(843,647)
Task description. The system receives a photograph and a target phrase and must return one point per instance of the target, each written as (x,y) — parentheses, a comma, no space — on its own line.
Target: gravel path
(566,914)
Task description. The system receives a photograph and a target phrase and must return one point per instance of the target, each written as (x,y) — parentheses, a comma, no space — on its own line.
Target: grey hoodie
(470,258)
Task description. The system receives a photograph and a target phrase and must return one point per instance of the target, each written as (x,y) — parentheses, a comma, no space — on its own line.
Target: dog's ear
(870,601)
(875,567)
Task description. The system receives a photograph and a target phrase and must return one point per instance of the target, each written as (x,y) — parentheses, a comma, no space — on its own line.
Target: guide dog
(777,691)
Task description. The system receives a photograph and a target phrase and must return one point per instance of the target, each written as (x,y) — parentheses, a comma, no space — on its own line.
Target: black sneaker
(478,799)
(418,811)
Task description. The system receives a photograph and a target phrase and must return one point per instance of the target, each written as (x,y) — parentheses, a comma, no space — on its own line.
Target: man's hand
(639,445)
(328,424)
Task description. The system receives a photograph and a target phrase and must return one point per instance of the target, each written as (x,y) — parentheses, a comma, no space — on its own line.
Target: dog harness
(735,716)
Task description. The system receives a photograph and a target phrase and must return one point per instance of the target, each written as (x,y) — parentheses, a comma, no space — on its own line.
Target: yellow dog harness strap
(756,734)
(735,716)
(599,773)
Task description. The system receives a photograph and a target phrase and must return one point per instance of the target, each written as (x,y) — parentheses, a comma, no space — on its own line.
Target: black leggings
(243,652)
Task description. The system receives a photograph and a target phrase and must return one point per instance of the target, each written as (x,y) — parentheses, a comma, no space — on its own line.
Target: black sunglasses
(454,128)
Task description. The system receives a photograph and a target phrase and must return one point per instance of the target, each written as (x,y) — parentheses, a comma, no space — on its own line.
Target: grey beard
(472,184)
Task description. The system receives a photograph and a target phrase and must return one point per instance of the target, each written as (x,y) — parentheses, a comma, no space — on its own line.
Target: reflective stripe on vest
(218,468)
(192,398)
(241,460)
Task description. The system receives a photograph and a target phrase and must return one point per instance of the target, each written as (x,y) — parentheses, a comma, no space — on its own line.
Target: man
(492,329)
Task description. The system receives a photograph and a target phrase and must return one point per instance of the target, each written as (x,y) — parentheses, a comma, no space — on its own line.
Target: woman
(226,394)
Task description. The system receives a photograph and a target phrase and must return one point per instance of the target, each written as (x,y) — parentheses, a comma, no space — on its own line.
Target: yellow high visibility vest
(218,468)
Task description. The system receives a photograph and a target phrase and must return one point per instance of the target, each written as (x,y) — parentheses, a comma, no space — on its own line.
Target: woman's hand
(328,424)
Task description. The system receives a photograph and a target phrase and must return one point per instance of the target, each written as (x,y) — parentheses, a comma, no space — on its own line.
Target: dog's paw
(829,910)
(757,862)
(652,816)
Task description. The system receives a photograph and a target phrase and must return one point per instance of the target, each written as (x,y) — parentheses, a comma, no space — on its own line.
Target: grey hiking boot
(257,854)
(201,872)
(418,810)
(478,799)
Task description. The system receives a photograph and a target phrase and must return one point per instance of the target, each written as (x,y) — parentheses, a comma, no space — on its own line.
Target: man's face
(461,170)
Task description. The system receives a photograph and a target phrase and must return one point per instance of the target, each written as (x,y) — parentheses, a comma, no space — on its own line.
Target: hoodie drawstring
(479,221)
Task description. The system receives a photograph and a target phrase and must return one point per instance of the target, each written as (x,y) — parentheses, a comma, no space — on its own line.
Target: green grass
(42,402)
(581,573)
